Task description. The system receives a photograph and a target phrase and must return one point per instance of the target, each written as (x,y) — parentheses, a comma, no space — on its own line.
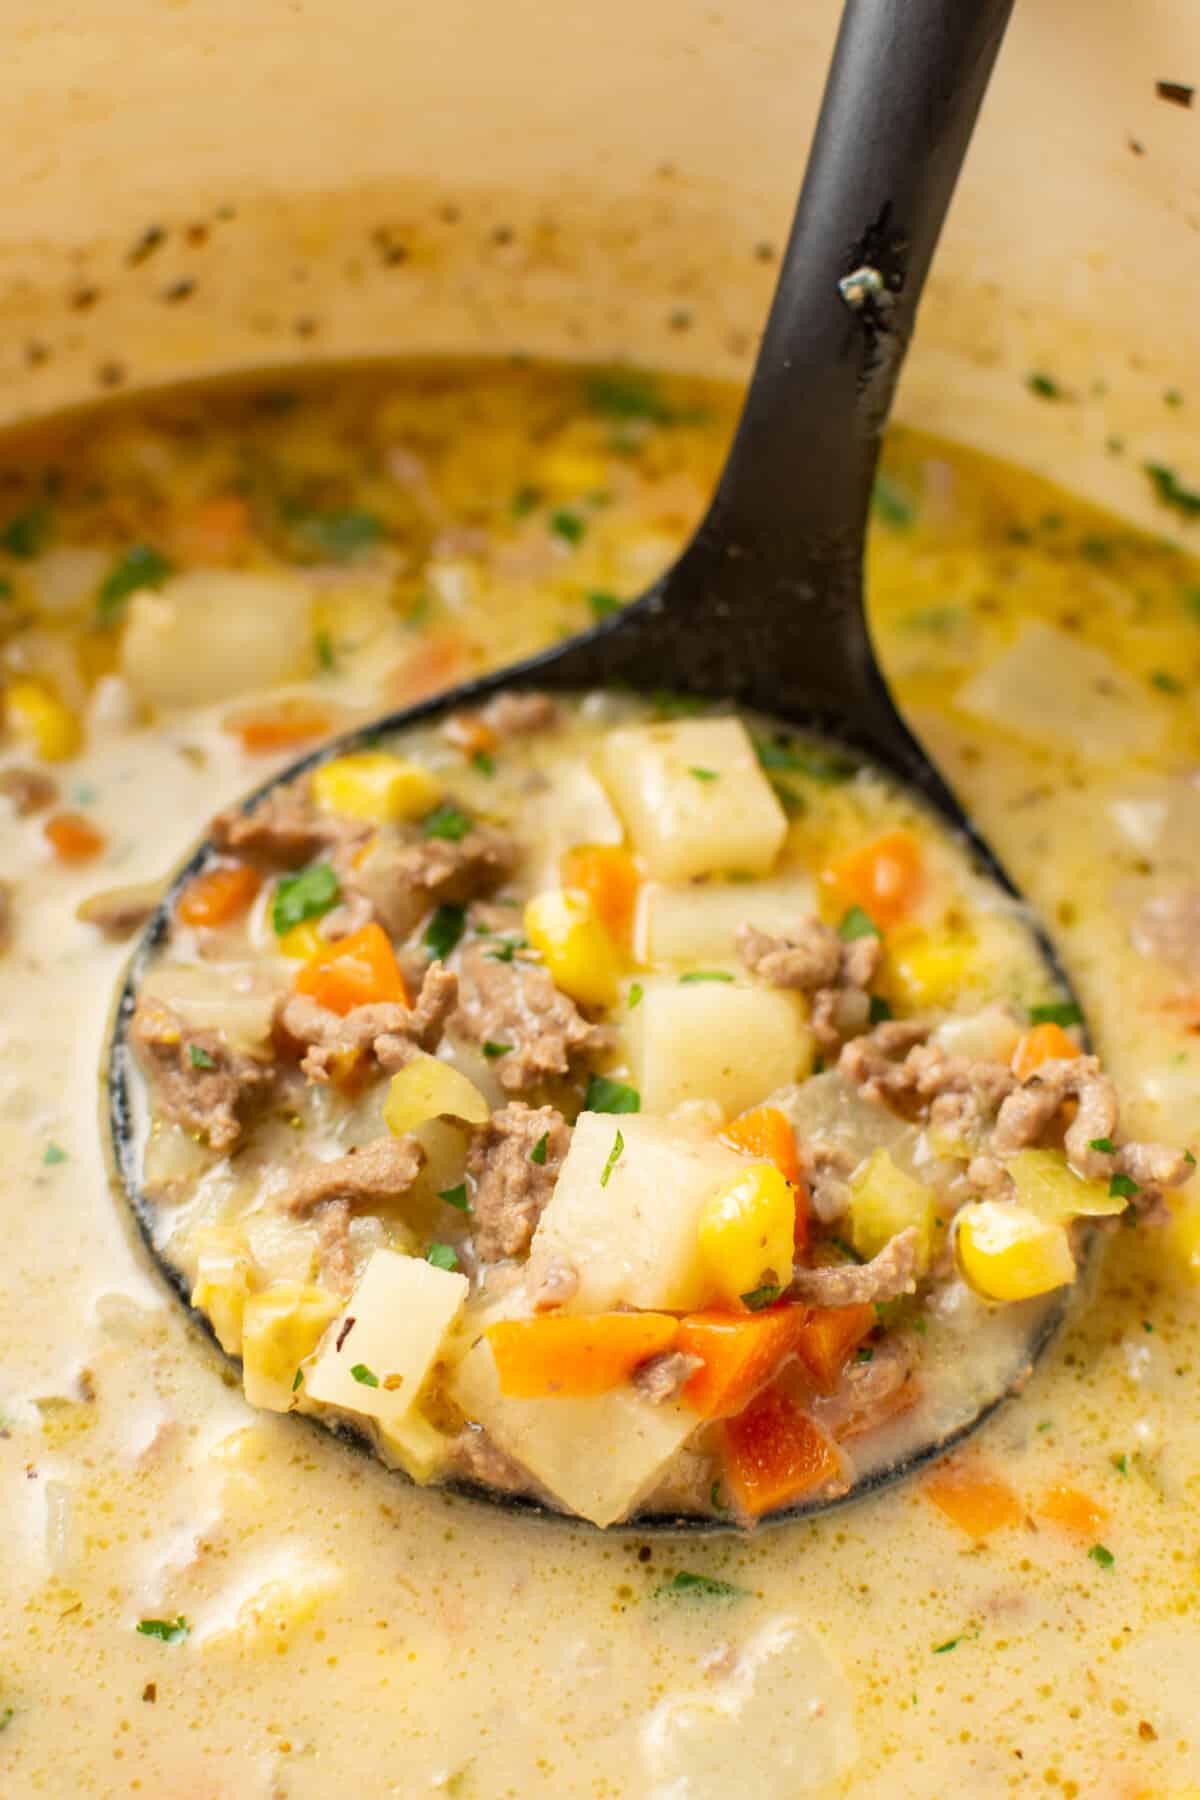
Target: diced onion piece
(1049,1187)
(428,1088)
(224,1280)
(280,1327)
(885,1201)
(1007,1253)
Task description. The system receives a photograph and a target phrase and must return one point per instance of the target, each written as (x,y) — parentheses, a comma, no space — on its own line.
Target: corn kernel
(883,1201)
(427,1088)
(927,971)
(303,942)
(580,956)
(224,1279)
(376,786)
(1048,1187)
(280,1327)
(1006,1252)
(565,471)
(41,720)
(747,1232)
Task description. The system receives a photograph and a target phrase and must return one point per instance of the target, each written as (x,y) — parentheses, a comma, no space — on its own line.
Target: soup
(201,587)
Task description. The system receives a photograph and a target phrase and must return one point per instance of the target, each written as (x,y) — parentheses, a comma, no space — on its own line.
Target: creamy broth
(342,1625)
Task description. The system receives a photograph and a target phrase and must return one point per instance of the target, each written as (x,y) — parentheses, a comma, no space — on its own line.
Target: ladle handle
(779,554)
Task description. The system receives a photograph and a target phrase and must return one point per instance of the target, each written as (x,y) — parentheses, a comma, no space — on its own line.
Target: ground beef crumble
(516,1004)
(198,1081)
(390,1033)
(511,1190)
(813,960)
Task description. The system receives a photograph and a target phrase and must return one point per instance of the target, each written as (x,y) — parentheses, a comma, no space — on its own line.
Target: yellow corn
(747,1233)
(580,956)
(924,970)
(376,786)
(1006,1252)
(303,941)
(224,1278)
(280,1327)
(568,470)
(883,1201)
(427,1088)
(1046,1185)
(40,719)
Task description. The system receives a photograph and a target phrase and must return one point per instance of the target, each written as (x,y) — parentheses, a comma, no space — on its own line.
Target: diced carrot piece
(829,1335)
(74,838)
(434,663)
(358,970)
(1043,1043)
(740,1353)
(884,877)
(773,1454)
(764,1132)
(609,877)
(565,1355)
(218,894)
(471,734)
(1076,1512)
(974,1497)
(214,531)
(281,727)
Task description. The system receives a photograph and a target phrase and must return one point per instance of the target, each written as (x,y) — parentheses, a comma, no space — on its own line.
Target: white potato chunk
(694,798)
(1050,687)
(573,810)
(698,923)
(401,1310)
(713,1040)
(211,633)
(597,1456)
(238,1001)
(632,1233)
(69,577)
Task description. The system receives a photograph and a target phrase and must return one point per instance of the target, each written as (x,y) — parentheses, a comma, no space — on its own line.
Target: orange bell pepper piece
(218,894)
(773,1454)
(355,971)
(827,1338)
(438,661)
(974,1497)
(73,838)
(1043,1043)
(609,877)
(574,1357)
(884,877)
(740,1352)
(281,727)
(1076,1512)
(765,1133)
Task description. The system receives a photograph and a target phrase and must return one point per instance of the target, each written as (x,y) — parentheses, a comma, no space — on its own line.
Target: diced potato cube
(579,954)
(885,1201)
(415,1445)
(280,1327)
(428,1088)
(712,1040)
(1049,1187)
(630,1225)
(400,1313)
(376,786)
(210,633)
(1052,686)
(698,923)
(694,798)
(1006,1252)
(224,1279)
(747,1233)
(598,1455)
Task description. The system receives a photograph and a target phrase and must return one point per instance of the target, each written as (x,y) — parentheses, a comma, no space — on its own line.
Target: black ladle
(765,606)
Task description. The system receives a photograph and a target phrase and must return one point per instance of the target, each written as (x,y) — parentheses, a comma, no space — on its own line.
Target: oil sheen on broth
(195,591)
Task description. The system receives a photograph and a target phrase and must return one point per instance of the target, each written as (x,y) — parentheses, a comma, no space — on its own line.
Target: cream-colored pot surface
(190,185)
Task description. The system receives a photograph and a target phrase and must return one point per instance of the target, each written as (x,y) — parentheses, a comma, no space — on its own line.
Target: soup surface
(235,1605)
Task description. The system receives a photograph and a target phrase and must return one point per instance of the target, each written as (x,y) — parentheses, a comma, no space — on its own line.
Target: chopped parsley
(635,995)
(168,1631)
(704,774)
(457,1196)
(857,923)
(777,756)
(447,821)
(1056,1012)
(200,1058)
(1102,1556)
(603,605)
(364,1376)
(538,1153)
(1044,386)
(142,566)
(614,1157)
(567,525)
(671,705)
(1189,1158)
(953,1643)
(485,762)
(891,504)
(492,1050)
(297,1380)
(1166,683)
(865,1353)
(1121,1187)
(507,950)
(7,1715)
(27,533)
(323,645)
(445,929)
(304,896)
(339,535)
(759,1297)
(1105,1146)
(526,499)
(607,1096)
(628,394)
(1170,491)
(685,1585)
(52,1155)
(1120,1463)
(880,1011)
(691,975)
(442,1256)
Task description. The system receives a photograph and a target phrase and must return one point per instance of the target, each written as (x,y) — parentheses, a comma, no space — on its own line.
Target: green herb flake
(1044,386)
(635,995)
(52,1155)
(1172,397)
(777,756)
(485,762)
(1056,1012)
(200,1058)
(1170,491)
(953,1643)
(687,1586)
(526,500)
(891,504)
(857,923)
(759,1297)
(6,588)
(607,1096)
(1189,1158)
(1105,1146)
(865,1353)
(880,1010)
(7,1715)
(304,896)
(446,821)
(1121,1187)
(342,534)
(628,394)
(704,774)
(1166,683)
(1120,1463)
(493,1050)
(323,646)
(444,930)
(168,1631)
(457,1196)
(538,1153)
(694,975)
(508,948)
(442,1256)
(27,533)
(1102,1556)
(603,605)
(297,1380)
(671,705)
(142,566)
(1147,1326)
(567,525)
(364,1376)
(614,1157)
